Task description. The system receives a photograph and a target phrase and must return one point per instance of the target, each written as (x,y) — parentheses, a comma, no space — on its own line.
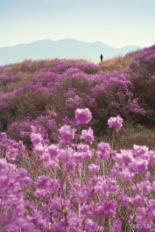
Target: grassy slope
(130,134)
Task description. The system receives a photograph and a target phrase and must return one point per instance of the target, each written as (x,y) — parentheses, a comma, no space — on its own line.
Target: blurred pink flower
(66,134)
(115,123)
(87,135)
(83,116)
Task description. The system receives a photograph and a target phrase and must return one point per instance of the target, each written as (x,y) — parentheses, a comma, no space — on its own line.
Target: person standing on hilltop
(101,57)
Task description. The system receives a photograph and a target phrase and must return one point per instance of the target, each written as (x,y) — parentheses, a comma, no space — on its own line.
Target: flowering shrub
(10,148)
(55,175)
(64,85)
(142,72)
(13,206)
(76,186)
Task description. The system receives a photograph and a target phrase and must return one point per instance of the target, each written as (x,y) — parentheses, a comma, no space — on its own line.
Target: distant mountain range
(66,48)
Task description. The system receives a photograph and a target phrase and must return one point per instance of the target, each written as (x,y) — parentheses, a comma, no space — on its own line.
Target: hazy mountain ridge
(65,48)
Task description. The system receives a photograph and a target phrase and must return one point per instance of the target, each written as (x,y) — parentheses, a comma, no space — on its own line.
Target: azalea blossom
(115,123)
(83,116)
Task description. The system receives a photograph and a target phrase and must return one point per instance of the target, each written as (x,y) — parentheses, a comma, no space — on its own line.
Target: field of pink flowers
(57,173)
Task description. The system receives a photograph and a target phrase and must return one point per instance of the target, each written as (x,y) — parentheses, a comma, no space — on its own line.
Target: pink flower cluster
(76,184)
(64,86)
(115,123)
(83,116)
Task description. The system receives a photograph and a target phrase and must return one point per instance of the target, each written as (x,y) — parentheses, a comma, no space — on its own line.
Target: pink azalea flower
(115,123)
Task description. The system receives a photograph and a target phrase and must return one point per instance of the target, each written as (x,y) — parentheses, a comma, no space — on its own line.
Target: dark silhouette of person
(101,57)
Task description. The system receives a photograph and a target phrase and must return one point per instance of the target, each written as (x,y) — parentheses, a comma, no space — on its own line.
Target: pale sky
(115,22)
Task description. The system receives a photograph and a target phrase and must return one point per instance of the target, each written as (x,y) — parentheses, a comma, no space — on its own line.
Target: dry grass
(116,64)
(20,83)
(132,135)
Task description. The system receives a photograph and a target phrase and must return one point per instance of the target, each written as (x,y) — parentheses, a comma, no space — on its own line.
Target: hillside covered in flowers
(77,145)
